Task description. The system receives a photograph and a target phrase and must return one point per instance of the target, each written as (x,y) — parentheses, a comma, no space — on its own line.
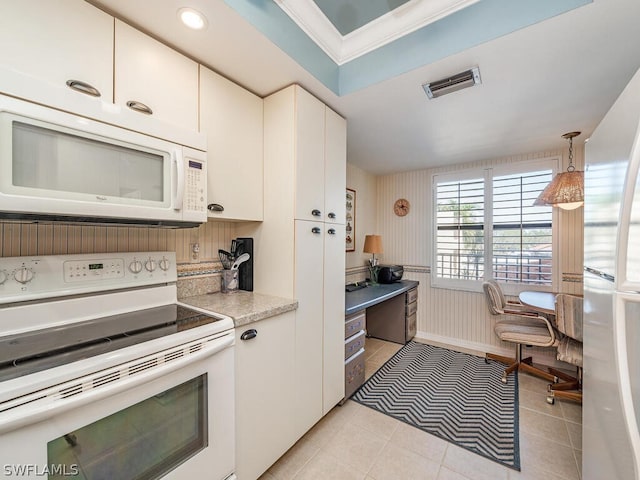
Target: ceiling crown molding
(397,23)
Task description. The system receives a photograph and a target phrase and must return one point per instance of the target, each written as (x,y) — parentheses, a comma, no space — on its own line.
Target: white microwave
(63,167)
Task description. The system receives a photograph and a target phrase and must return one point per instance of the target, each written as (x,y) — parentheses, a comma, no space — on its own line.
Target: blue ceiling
(481,22)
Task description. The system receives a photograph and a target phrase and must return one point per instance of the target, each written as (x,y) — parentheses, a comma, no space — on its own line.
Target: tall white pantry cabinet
(300,245)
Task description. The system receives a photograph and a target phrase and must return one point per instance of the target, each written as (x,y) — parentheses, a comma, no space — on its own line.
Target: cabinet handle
(83,87)
(316,213)
(316,230)
(215,207)
(331,231)
(249,334)
(331,215)
(139,107)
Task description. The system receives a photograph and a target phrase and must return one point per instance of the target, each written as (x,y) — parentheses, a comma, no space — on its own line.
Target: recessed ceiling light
(192,18)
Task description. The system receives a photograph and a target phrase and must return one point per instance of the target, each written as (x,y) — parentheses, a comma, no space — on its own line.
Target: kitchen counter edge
(243,307)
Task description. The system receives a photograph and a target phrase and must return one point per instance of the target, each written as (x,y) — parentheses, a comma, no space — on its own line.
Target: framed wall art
(350,221)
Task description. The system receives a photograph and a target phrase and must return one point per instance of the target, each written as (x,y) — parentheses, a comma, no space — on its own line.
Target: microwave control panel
(195,196)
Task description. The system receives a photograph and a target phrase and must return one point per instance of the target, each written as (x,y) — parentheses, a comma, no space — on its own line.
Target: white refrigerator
(611,407)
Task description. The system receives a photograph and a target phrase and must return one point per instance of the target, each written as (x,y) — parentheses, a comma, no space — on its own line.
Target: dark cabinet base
(386,320)
(394,320)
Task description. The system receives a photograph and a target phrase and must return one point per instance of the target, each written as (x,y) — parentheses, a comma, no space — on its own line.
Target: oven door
(168,415)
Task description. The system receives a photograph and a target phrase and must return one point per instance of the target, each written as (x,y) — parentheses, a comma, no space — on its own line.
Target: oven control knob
(135,266)
(23,275)
(164,264)
(150,265)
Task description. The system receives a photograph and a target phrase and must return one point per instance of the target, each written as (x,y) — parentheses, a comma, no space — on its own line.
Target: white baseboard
(546,358)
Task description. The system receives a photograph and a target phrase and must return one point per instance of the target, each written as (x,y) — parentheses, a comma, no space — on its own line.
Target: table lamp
(373,245)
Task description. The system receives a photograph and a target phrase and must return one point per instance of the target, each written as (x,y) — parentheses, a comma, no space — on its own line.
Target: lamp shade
(566,191)
(372,244)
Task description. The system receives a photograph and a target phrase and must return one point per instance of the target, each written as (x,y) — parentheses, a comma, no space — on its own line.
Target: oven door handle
(48,403)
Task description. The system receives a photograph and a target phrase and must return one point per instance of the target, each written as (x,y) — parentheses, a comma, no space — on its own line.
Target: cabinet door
(335,167)
(333,319)
(264,393)
(309,157)
(57,41)
(232,119)
(309,238)
(153,75)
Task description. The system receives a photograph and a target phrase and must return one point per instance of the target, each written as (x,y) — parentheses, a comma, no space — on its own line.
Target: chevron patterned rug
(455,396)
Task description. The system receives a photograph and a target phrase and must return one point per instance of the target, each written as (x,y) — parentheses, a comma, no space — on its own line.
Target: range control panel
(98,269)
(31,277)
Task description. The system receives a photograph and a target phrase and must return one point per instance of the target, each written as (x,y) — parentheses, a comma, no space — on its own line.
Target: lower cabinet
(319,339)
(354,339)
(264,393)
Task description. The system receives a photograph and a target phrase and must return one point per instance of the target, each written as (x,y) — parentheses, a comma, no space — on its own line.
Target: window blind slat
(520,250)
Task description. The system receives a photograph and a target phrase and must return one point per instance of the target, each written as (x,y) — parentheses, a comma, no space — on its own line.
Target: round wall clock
(401,207)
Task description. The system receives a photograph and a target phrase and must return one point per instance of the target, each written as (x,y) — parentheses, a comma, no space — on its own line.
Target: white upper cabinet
(321,155)
(309,156)
(56,41)
(153,79)
(335,170)
(70,55)
(232,119)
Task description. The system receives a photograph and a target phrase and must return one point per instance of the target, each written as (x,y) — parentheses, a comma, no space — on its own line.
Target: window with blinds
(521,246)
(460,229)
(487,227)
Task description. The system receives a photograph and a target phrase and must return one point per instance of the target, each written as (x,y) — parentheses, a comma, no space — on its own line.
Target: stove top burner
(27,353)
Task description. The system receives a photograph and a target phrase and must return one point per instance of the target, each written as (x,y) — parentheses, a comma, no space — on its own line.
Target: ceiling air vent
(453,83)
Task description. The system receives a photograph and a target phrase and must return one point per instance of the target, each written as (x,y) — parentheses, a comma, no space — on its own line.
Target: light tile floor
(356,442)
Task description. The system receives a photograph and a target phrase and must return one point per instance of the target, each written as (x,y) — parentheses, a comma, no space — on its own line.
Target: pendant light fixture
(566,190)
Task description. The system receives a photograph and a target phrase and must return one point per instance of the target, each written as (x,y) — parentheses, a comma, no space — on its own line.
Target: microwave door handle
(178,161)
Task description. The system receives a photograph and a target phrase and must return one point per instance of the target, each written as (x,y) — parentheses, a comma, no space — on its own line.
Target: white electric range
(105,375)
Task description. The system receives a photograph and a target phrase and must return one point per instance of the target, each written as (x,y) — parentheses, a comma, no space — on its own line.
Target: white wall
(364,184)
(450,316)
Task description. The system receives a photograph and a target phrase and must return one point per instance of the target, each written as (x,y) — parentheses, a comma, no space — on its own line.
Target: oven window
(143,441)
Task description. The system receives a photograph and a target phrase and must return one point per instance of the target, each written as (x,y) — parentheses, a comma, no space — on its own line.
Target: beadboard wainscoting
(454,317)
(460,320)
(22,239)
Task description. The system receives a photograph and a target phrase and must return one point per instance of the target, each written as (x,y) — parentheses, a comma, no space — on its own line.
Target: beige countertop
(243,307)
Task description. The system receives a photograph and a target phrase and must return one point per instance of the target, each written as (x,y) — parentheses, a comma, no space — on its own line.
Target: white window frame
(488,173)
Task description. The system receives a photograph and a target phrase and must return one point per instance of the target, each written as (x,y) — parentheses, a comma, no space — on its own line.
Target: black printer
(390,273)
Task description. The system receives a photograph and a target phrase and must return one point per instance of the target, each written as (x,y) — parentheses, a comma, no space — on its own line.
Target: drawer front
(412,308)
(354,323)
(412,326)
(353,344)
(412,295)
(353,373)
